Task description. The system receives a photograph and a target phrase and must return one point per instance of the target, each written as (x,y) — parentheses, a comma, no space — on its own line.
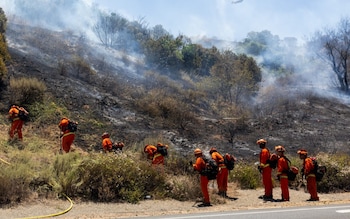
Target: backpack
(318,170)
(22,115)
(72,126)
(162,149)
(292,171)
(211,169)
(273,161)
(229,161)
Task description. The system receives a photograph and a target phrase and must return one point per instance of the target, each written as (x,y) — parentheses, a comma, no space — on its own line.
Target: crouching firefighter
(200,166)
(154,155)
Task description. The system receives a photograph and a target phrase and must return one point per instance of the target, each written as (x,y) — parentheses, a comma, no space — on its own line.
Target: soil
(245,199)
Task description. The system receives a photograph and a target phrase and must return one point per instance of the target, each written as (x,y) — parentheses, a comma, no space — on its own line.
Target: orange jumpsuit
(200,166)
(222,177)
(308,167)
(282,168)
(152,154)
(107,144)
(17,124)
(67,137)
(266,172)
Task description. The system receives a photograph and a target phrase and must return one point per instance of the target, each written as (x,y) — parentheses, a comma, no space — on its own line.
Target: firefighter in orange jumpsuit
(17,123)
(282,170)
(200,166)
(222,177)
(265,170)
(106,143)
(308,172)
(67,136)
(154,155)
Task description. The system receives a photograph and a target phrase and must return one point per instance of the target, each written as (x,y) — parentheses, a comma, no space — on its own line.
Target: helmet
(302,151)
(212,150)
(261,141)
(197,151)
(280,148)
(294,169)
(105,135)
(159,144)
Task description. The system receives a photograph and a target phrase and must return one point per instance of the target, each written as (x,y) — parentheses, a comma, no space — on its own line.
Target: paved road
(307,212)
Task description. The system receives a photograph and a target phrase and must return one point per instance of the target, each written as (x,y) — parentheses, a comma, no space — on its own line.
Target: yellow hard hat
(197,151)
(302,151)
(280,148)
(105,135)
(261,141)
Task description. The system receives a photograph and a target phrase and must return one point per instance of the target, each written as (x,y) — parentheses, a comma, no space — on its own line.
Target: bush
(337,176)
(246,175)
(46,113)
(108,177)
(184,187)
(26,91)
(14,183)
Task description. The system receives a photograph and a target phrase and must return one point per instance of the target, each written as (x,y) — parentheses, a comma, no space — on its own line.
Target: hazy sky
(232,21)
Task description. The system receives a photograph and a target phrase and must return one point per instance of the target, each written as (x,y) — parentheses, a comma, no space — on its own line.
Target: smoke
(305,73)
(80,16)
(75,15)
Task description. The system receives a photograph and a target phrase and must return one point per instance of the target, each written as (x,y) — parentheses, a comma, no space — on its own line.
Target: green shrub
(337,176)
(184,187)
(246,175)
(108,177)
(14,183)
(26,91)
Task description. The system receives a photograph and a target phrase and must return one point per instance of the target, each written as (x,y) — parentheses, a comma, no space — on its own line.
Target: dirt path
(247,199)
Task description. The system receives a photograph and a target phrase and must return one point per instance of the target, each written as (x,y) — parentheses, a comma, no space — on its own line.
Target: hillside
(308,121)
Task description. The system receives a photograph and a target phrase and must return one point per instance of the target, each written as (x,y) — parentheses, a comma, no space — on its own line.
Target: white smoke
(78,15)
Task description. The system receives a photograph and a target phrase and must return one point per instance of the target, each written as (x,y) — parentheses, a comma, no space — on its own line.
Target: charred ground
(306,121)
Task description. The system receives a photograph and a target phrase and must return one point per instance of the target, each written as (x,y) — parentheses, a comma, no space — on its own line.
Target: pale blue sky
(226,20)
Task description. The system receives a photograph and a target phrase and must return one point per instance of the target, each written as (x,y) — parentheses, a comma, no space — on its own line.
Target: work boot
(267,198)
(313,199)
(221,193)
(204,205)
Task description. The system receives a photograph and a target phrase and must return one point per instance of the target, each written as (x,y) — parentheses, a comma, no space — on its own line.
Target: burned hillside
(105,86)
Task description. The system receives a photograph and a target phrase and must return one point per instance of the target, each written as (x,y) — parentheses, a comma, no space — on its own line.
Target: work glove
(191,163)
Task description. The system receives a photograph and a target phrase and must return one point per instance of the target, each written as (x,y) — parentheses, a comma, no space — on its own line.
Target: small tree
(4,55)
(333,46)
(109,28)
(236,76)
